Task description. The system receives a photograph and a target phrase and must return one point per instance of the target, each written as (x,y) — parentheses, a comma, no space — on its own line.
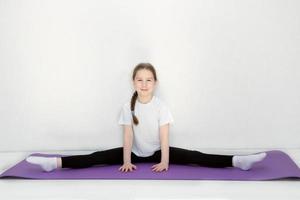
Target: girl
(145,121)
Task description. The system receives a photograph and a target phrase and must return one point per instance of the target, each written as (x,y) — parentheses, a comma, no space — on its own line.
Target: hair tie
(132,112)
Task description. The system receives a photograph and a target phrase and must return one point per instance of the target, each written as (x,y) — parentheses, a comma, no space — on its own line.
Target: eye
(149,80)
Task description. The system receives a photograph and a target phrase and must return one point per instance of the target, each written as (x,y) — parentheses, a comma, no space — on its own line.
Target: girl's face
(144,82)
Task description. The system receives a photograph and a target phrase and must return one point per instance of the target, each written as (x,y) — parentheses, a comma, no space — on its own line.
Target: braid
(133,100)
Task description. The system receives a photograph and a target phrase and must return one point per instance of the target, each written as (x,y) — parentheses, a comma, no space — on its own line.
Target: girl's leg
(110,156)
(185,156)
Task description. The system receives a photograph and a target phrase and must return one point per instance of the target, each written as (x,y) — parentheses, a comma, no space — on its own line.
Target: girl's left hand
(160,167)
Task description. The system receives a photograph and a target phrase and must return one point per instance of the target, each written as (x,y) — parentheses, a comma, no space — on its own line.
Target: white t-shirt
(151,116)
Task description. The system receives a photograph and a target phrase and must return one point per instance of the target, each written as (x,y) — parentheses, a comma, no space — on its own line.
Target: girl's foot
(46,163)
(246,162)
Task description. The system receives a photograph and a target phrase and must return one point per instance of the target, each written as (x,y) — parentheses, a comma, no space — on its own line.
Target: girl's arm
(164,142)
(127,143)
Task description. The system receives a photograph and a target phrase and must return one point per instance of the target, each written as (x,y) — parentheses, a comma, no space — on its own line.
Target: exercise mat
(276,165)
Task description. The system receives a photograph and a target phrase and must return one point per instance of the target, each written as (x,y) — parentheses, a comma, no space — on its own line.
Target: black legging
(176,156)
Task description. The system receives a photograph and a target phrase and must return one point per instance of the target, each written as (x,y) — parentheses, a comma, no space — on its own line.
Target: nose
(144,83)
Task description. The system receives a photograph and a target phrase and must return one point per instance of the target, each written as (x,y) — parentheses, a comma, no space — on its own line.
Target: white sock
(47,163)
(246,162)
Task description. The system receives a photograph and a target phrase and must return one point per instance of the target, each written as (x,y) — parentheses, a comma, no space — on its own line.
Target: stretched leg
(185,156)
(110,156)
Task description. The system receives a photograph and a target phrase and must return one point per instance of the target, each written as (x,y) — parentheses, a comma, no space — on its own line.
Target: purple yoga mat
(276,165)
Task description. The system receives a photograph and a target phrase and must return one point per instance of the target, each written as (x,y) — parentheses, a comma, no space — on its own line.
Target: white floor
(144,189)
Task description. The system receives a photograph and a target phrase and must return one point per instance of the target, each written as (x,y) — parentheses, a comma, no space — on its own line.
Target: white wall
(229,71)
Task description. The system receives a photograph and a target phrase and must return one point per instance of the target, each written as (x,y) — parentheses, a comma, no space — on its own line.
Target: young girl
(145,121)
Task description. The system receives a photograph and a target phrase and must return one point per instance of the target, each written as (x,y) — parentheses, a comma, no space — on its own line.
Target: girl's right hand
(127,167)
